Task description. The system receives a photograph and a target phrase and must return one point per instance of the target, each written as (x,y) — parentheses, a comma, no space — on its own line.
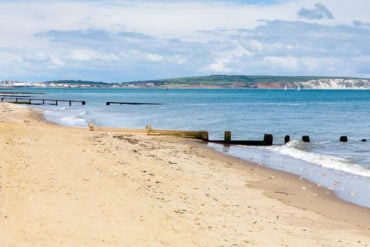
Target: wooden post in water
(286,139)
(205,136)
(268,139)
(305,138)
(148,128)
(343,139)
(227,136)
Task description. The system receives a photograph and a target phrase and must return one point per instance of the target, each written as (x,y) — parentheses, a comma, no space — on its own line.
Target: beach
(65,186)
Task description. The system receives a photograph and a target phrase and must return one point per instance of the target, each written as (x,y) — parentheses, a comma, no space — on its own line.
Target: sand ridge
(74,187)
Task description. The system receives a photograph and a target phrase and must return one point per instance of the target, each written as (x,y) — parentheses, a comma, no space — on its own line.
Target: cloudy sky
(117,41)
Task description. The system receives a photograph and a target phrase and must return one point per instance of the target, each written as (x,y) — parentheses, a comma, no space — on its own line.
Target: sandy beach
(62,186)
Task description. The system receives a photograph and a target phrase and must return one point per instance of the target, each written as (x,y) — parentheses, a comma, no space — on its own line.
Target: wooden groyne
(267,141)
(36,101)
(129,103)
(341,139)
(14,96)
(23,99)
(201,135)
(18,93)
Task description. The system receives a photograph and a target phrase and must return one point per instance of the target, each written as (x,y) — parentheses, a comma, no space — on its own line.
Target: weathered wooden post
(286,139)
(343,139)
(268,139)
(205,136)
(305,138)
(148,129)
(227,136)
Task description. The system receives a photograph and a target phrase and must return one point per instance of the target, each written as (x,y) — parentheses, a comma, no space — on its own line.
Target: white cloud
(56,62)
(82,55)
(37,57)
(178,59)
(154,57)
(283,62)
(224,59)
(219,66)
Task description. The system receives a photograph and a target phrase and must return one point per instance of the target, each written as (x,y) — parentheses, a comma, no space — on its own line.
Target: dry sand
(73,187)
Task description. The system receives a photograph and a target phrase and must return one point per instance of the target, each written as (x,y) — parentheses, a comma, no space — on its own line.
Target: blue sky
(117,41)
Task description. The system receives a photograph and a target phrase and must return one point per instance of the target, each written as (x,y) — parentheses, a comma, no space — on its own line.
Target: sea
(323,115)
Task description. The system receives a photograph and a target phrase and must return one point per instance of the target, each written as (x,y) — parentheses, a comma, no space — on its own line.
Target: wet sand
(62,186)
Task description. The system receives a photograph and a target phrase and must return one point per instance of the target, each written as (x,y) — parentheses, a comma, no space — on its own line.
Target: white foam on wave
(295,149)
(84,113)
(73,121)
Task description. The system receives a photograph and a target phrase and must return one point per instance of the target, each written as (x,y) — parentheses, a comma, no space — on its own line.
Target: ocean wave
(295,149)
(73,121)
(84,113)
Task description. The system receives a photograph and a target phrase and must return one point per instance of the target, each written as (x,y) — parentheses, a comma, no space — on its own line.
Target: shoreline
(347,186)
(280,188)
(178,192)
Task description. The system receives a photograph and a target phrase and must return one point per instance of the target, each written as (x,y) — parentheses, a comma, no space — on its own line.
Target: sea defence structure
(36,101)
(267,140)
(129,103)
(203,135)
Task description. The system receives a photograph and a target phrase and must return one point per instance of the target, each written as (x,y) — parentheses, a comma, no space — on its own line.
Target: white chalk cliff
(335,84)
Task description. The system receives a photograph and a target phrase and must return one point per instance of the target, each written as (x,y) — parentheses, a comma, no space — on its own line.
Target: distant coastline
(211,82)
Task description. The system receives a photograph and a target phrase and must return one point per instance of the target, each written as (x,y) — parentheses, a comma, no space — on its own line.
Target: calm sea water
(324,115)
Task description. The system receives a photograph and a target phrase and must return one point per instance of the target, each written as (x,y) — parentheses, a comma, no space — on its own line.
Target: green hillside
(226,79)
(211,81)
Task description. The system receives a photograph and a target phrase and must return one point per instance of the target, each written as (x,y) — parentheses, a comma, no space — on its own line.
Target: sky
(120,41)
